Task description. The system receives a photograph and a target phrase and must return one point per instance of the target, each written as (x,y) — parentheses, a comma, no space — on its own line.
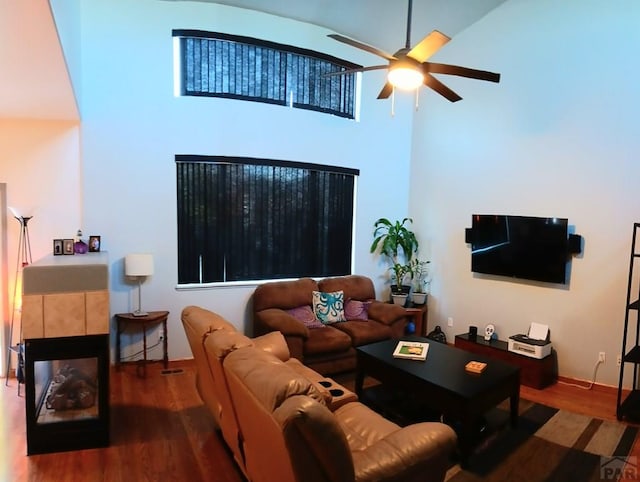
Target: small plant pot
(404,289)
(419,298)
(399,299)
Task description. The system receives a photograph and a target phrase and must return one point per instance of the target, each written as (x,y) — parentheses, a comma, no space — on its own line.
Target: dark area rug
(552,445)
(548,445)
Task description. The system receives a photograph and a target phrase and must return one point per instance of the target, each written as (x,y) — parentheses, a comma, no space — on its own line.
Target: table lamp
(139,265)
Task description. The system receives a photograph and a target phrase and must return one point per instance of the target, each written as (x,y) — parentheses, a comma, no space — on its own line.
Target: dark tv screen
(523,247)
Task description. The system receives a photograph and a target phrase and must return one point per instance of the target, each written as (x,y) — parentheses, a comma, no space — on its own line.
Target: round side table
(152,318)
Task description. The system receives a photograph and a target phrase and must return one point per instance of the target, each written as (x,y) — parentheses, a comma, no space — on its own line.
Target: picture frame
(94,244)
(57,247)
(67,246)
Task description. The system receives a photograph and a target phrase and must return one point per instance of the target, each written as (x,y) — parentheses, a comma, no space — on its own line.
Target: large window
(242,219)
(222,65)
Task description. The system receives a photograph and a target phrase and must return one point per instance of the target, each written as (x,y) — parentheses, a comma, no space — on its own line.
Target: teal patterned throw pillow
(329,307)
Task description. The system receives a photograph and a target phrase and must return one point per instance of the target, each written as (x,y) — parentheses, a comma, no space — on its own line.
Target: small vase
(411,328)
(80,247)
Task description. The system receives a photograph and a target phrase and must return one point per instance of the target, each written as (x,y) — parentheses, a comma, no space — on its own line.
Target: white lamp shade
(138,264)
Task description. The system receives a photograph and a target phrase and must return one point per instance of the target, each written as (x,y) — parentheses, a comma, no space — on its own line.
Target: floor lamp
(23,259)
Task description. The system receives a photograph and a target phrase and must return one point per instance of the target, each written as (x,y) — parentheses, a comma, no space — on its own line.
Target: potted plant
(396,241)
(400,292)
(420,273)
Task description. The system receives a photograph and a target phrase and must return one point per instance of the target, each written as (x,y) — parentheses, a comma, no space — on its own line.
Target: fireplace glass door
(67,393)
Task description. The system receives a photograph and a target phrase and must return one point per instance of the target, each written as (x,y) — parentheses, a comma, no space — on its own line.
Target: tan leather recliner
(198,324)
(289,434)
(211,338)
(218,344)
(248,430)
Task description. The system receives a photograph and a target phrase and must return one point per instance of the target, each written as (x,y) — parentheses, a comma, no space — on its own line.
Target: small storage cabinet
(629,408)
(535,373)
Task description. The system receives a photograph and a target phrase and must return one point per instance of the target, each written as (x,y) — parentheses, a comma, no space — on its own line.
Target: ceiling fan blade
(428,46)
(361,46)
(360,69)
(435,68)
(440,88)
(386,91)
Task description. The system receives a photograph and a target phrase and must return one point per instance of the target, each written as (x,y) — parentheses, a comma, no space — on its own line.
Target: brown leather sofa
(282,423)
(332,348)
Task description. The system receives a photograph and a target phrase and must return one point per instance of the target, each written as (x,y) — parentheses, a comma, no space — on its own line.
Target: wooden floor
(160,431)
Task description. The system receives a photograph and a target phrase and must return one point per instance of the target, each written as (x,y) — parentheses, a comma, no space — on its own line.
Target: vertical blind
(223,65)
(243,219)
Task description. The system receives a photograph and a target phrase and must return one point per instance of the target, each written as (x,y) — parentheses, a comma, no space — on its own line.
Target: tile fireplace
(65,323)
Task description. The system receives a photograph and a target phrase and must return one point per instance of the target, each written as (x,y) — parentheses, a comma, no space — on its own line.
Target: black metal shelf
(629,408)
(633,355)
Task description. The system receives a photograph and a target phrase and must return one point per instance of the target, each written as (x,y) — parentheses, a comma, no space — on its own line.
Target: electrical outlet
(619,360)
(601,357)
(450,321)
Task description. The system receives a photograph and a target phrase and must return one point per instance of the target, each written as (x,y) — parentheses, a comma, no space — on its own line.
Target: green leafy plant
(419,273)
(399,273)
(396,241)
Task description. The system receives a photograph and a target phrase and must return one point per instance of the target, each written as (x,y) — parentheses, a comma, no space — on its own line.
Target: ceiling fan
(408,68)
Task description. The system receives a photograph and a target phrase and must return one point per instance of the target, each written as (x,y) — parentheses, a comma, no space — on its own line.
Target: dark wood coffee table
(443,383)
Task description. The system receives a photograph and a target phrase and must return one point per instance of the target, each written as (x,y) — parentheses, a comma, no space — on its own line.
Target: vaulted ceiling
(381,23)
(34,82)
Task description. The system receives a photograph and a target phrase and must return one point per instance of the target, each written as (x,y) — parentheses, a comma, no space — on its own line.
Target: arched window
(222,65)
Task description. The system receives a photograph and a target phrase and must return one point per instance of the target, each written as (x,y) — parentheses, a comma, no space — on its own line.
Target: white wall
(4,277)
(133,126)
(557,137)
(40,165)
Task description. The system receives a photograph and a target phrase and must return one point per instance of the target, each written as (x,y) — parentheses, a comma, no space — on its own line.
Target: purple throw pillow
(305,314)
(356,310)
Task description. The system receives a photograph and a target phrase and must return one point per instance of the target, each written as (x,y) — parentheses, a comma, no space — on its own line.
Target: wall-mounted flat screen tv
(525,247)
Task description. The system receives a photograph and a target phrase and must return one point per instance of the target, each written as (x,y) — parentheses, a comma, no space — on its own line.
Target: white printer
(534,344)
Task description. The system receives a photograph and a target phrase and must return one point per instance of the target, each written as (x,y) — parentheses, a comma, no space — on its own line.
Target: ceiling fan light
(405,78)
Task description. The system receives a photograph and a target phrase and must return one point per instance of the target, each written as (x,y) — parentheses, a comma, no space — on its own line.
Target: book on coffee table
(413,350)
(475,367)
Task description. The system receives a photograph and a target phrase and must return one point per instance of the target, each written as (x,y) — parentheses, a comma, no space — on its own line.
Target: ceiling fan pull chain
(393,102)
(417,99)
